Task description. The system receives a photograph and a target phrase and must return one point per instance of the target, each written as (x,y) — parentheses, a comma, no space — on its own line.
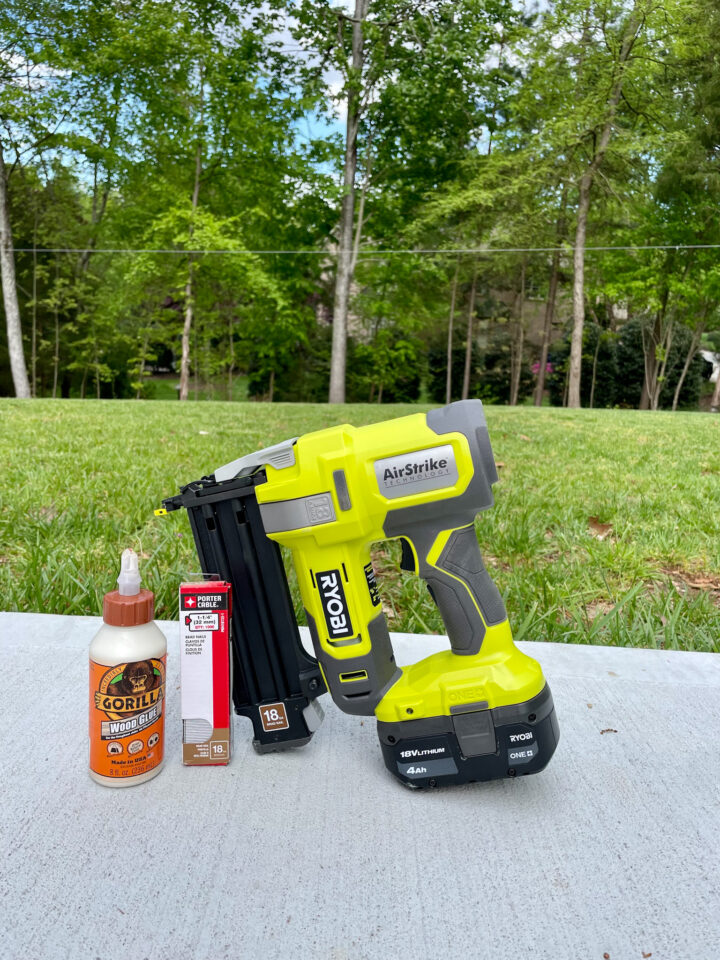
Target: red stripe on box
(221,674)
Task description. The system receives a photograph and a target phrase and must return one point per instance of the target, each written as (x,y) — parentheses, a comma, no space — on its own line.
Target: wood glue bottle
(127,685)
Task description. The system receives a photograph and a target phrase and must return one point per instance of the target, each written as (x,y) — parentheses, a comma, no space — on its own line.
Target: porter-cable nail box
(205,672)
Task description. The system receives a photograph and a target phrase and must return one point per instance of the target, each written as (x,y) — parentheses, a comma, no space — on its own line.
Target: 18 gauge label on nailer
(126,717)
(274,717)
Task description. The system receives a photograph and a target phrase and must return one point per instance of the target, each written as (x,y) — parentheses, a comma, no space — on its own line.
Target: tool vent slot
(355,675)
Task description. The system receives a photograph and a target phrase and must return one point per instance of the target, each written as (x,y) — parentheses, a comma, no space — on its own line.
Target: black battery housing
(473,744)
(270,665)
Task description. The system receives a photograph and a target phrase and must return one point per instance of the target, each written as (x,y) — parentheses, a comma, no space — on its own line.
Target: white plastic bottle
(128,655)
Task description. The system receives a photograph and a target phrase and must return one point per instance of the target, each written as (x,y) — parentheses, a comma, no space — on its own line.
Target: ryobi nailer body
(478,711)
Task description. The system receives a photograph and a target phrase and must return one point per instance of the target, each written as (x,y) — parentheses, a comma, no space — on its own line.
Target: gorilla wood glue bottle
(127,685)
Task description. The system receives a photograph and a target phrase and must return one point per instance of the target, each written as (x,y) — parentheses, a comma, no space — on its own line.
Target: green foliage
(493,374)
(620,368)
(388,370)
(206,125)
(630,371)
(600,352)
(489,372)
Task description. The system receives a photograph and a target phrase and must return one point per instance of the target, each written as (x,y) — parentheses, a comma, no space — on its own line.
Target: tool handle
(347,625)
(468,600)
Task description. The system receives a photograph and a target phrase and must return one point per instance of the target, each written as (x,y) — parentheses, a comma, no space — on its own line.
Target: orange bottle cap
(128,611)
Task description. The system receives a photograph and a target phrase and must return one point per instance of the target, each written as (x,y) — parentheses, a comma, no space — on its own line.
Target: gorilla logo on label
(138,677)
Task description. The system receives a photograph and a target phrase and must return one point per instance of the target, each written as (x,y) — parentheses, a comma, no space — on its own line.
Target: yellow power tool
(479,711)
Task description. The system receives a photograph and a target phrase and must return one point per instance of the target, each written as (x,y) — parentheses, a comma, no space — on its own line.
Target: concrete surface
(613,851)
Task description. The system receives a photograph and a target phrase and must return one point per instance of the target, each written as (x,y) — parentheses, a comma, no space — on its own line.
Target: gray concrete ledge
(318,853)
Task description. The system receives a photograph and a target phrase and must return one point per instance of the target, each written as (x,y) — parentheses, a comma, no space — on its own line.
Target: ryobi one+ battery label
(334,604)
(126,717)
(522,747)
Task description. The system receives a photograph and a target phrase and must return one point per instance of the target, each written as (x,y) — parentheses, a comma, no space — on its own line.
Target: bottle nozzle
(129,579)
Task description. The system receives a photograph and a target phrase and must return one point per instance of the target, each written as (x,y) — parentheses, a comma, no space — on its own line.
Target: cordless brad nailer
(479,711)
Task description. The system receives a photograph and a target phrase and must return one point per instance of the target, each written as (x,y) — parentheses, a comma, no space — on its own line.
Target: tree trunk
(694,344)
(361,207)
(651,341)
(468,341)
(143,355)
(644,397)
(9,288)
(196,364)
(451,320)
(231,361)
(552,297)
(271,387)
(518,343)
(547,330)
(576,342)
(586,182)
(34,335)
(56,355)
(96,361)
(517,369)
(189,292)
(185,342)
(344,275)
(660,378)
(493,115)
(649,362)
(594,370)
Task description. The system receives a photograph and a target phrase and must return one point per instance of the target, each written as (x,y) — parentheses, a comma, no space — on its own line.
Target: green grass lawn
(606,527)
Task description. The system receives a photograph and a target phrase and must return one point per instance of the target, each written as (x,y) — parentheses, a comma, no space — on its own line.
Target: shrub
(594,338)
(620,371)
(489,370)
(392,361)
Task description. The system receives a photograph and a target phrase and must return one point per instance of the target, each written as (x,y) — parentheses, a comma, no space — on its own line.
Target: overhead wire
(374,252)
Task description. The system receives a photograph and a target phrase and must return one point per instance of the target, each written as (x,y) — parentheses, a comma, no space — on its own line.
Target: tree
(467,127)
(10,298)
(33,108)
(411,81)
(627,33)
(590,96)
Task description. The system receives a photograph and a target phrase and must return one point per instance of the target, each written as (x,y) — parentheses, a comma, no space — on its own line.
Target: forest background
(373,202)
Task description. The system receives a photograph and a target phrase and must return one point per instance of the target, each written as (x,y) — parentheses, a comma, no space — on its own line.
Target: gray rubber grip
(458,577)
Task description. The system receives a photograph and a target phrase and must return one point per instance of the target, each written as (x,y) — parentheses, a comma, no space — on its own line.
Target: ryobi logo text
(332,597)
(416,472)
